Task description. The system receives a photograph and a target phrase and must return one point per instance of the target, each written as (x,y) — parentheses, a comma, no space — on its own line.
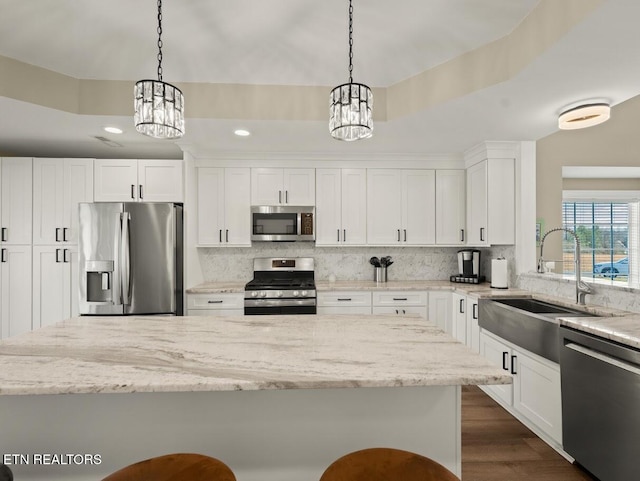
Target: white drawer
(420,311)
(358,310)
(215,301)
(400,298)
(343,298)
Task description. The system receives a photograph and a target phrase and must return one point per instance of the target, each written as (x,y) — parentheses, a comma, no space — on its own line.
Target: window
(604,230)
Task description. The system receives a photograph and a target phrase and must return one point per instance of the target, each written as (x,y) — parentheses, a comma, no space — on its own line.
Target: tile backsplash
(345,263)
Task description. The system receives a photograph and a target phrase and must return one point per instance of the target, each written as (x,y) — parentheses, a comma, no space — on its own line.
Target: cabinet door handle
(482,234)
(405,235)
(140,191)
(400,299)
(215,302)
(338,234)
(221,236)
(397,311)
(279,197)
(514,360)
(133,191)
(57,234)
(3,236)
(65,257)
(403,311)
(3,255)
(346,299)
(286,196)
(58,255)
(461,235)
(64,234)
(398,235)
(344,235)
(226,235)
(461,306)
(505,360)
(474,312)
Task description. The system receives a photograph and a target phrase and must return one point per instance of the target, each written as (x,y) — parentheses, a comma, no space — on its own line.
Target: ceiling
(446,74)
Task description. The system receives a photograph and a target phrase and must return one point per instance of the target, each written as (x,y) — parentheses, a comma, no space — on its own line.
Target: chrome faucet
(582,289)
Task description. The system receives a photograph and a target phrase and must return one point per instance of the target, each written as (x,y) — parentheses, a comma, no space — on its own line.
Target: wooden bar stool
(386,464)
(175,467)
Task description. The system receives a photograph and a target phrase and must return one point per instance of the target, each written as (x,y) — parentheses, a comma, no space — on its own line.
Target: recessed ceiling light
(113,130)
(584,116)
(242,132)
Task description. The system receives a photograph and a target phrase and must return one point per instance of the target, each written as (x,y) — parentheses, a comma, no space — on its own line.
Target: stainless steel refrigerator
(130,257)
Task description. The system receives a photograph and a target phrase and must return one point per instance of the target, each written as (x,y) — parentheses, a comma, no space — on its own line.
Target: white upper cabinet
(491,202)
(341,203)
(224,210)
(274,186)
(15,200)
(418,207)
(384,206)
(59,185)
(125,180)
(401,207)
(450,207)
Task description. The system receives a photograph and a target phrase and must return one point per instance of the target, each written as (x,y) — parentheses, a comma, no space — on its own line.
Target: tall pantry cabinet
(59,185)
(15,245)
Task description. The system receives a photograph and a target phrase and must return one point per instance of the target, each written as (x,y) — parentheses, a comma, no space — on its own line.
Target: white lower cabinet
(473,328)
(534,397)
(459,317)
(344,302)
(401,303)
(439,307)
(55,284)
(15,290)
(224,304)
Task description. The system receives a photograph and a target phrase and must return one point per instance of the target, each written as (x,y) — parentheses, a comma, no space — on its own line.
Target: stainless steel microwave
(279,223)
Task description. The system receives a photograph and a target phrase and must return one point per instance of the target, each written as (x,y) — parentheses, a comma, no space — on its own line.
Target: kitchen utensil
(386,261)
(374,261)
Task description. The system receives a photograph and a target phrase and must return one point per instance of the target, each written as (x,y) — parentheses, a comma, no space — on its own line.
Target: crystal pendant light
(350,104)
(159,106)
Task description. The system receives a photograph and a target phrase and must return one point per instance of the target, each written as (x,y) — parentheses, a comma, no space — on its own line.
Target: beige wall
(614,143)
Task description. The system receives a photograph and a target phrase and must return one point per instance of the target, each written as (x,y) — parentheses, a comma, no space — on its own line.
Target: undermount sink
(527,322)
(535,306)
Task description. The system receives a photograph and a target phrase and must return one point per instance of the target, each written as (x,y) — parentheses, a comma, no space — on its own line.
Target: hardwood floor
(497,447)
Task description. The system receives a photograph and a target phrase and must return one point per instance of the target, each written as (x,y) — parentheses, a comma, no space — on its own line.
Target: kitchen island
(275,397)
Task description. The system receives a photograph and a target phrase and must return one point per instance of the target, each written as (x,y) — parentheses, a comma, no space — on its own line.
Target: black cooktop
(264,280)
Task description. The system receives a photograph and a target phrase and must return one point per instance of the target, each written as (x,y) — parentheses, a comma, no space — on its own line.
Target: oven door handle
(600,356)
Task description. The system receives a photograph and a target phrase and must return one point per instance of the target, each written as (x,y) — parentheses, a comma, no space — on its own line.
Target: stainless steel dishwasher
(601,405)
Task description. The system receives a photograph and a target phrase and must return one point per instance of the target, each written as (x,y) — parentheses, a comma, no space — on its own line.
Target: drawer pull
(400,299)
(344,299)
(215,302)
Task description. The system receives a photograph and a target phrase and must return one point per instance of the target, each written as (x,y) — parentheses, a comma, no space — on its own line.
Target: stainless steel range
(281,286)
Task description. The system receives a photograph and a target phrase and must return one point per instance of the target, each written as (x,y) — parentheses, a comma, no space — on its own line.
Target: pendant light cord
(160,40)
(350,42)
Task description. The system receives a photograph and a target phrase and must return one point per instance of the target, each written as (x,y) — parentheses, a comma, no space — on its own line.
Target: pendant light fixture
(350,104)
(159,106)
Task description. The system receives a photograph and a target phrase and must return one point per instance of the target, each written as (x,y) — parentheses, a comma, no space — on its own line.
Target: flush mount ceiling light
(242,132)
(584,116)
(113,130)
(350,104)
(159,106)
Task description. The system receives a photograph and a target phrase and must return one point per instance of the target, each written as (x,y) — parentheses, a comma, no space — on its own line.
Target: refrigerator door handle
(125,260)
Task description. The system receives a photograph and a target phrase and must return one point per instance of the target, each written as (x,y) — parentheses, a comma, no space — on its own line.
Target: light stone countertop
(480,289)
(625,330)
(155,354)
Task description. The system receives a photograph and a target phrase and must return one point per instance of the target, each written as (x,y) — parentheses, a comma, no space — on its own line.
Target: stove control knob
(296,293)
(254,293)
(263,294)
(303,293)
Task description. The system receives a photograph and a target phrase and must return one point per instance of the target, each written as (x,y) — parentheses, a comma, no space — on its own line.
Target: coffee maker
(468,267)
